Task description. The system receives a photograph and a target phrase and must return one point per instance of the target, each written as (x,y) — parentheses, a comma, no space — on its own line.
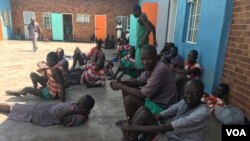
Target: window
(6,14)
(193,21)
(82,18)
(123,20)
(47,20)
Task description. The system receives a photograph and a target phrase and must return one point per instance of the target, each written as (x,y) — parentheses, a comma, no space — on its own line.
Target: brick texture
(236,71)
(82,31)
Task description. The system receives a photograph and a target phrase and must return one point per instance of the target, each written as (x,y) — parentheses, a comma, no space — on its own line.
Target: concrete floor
(18,61)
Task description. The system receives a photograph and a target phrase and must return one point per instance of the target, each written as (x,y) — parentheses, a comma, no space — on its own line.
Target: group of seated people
(150,98)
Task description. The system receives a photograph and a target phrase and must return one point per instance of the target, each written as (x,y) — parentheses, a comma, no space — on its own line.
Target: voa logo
(236,132)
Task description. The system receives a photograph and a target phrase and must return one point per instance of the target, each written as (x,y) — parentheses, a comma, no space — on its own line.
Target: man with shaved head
(190,122)
(154,88)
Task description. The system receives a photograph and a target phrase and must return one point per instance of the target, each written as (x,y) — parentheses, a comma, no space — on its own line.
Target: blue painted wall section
(7,31)
(132,34)
(212,37)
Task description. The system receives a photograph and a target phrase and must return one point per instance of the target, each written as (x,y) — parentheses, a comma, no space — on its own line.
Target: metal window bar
(47,20)
(193,23)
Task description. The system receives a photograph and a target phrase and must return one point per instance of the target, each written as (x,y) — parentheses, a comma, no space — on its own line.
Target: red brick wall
(110,8)
(237,64)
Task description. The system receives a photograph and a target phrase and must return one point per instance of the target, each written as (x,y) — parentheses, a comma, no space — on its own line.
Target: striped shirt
(212,101)
(189,67)
(123,47)
(54,87)
(91,76)
(95,54)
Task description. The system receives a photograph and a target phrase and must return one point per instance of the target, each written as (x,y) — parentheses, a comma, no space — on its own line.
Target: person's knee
(142,109)
(140,115)
(33,75)
(130,100)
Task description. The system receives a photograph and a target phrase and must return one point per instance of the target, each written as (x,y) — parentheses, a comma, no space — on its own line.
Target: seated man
(112,42)
(107,42)
(127,65)
(52,81)
(78,57)
(92,38)
(96,52)
(173,60)
(218,98)
(190,122)
(91,74)
(123,48)
(94,74)
(166,49)
(192,69)
(158,90)
(67,114)
(62,60)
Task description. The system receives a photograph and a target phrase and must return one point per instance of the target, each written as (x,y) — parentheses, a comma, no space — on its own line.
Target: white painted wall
(172,21)
(162,22)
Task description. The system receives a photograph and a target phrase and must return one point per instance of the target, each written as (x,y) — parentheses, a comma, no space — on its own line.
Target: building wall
(237,63)
(7,30)
(110,8)
(212,37)
(161,24)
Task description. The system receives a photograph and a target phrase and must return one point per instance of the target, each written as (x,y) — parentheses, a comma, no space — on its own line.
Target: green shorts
(129,65)
(46,95)
(154,108)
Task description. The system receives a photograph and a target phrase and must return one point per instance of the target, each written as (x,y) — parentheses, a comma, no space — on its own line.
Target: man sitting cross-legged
(158,90)
(190,122)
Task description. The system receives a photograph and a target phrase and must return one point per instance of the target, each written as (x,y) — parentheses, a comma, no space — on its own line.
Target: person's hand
(39,70)
(111,84)
(140,43)
(126,126)
(158,117)
(115,85)
(195,71)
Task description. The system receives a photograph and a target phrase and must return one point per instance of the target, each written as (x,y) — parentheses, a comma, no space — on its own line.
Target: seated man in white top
(190,122)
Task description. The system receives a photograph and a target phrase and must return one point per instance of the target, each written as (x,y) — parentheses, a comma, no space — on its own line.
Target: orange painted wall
(151,9)
(100,26)
(1,31)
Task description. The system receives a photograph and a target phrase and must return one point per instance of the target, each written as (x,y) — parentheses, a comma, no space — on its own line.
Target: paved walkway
(18,61)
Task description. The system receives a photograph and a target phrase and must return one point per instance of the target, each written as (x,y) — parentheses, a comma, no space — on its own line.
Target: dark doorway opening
(67,28)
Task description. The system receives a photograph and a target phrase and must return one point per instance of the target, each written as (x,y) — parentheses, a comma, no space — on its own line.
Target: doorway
(67,27)
(27,15)
(57,26)
(100,26)
(151,9)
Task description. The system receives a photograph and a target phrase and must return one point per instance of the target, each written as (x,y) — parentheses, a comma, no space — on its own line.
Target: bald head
(149,50)
(149,57)
(137,10)
(193,91)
